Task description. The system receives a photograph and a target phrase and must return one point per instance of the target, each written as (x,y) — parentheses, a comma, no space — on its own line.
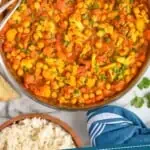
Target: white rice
(35,134)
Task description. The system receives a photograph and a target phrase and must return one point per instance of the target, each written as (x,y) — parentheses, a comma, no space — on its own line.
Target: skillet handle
(4,21)
(6,5)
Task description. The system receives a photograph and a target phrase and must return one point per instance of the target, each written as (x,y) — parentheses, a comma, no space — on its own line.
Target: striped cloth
(112,125)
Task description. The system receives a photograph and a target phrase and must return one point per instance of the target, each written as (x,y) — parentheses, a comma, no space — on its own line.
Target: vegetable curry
(77,52)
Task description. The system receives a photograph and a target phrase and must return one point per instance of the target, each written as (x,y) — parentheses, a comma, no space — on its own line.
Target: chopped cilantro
(131,1)
(145,83)
(148,96)
(24,50)
(66,43)
(112,59)
(25,69)
(101,29)
(107,39)
(91,22)
(96,68)
(32,16)
(137,102)
(134,49)
(148,100)
(117,17)
(76,93)
(119,71)
(71,1)
(148,104)
(93,5)
(85,16)
(103,77)
(24,1)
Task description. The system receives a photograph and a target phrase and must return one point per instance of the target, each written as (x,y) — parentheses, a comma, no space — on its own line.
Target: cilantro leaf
(137,102)
(107,39)
(148,96)
(148,100)
(148,104)
(66,43)
(93,5)
(145,83)
(76,93)
(85,16)
(117,17)
(131,1)
(103,77)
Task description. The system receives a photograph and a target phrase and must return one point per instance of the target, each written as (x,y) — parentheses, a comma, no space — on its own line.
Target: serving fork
(7,17)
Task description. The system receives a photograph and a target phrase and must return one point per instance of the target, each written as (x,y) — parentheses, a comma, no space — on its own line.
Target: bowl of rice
(37,132)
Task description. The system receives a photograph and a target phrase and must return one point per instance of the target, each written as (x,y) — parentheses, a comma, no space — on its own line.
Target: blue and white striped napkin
(112,125)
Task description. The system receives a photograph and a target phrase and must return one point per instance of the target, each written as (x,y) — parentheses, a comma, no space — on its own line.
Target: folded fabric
(112,125)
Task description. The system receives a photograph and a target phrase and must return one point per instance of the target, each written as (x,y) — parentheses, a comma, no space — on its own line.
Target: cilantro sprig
(93,5)
(144,84)
(148,99)
(139,101)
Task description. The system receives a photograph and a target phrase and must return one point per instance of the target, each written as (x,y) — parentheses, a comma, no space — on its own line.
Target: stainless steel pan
(52,104)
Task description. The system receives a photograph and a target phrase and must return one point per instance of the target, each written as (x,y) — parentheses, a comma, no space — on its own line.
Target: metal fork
(7,17)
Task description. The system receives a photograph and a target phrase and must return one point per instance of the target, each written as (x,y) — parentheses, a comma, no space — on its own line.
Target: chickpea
(108,86)
(67,96)
(39,65)
(91,95)
(106,6)
(45,67)
(18,57)
(40,45)
(98,44)
(22,54)
(20,45)
(103,18)
(127,72)
(81,100)
(32,47)
(36,37)
(48,82)
(38,71)
(86,96)
(62,100)
(88,32)
(68,74)
(56,18)
(8,55)
(27,30)
(39,27)
(54,95)
(61,84)
(20,29)
(80,5)
(134,70)
(99,92)
(55,86)
(26,24)
(15,66)
(86,22)
(13,53)
(74,101)
(139,64)
(20,72)
(128,78)
(37,5)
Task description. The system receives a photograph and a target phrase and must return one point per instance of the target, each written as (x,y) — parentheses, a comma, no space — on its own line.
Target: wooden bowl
(49,118)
